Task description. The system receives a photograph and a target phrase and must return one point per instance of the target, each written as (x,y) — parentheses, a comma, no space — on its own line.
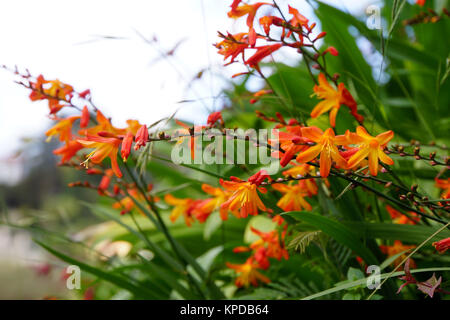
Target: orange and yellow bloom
(248,273)
(182,207)
(371,147)
(63,128)
(248,10)
(293,197)
(444,184)
(332,100)
(272,242)
(68,151)
(398,217)
(207,206)
(244,197)
(396,248)
(326,146)
(105,147)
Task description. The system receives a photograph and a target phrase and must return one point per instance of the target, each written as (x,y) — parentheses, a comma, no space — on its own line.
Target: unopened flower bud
(126,145)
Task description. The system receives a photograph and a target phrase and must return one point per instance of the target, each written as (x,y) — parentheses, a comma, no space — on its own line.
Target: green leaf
(302,240)
(211,225)
(139,292)
(207,259)
(354,274)
(338,231)
(390,231)
(352,284)
(351,296)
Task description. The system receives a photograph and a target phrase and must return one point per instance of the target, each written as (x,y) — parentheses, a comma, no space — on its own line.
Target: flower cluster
(308,153)
(269,245)
(102,136)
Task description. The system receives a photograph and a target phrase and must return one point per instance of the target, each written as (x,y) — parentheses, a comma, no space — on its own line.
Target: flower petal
(358,157)
(309,154)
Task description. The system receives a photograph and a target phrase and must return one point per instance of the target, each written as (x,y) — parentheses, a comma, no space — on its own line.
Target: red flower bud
(126,146)
(85,93)
(332,50)
(320,36)
(84,121)
(141,137)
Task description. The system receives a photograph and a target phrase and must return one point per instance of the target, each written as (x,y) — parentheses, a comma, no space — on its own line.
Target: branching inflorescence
(310,153)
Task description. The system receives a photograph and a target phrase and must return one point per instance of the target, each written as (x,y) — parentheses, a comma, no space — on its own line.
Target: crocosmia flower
(326,147)
(442,246)
(293,197)
(444,184)
(248,273)
(182,207)
(272,242)
(63,128)
(332,100)
(244,197)
(104,147)
(371,147)
(396,248)
(250,10)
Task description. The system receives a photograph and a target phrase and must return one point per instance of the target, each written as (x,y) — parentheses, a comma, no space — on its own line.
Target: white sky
(55,38)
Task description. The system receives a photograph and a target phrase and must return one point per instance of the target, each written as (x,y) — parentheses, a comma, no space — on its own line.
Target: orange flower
(309,185)
(181,207)
(398,217)
(244,197)
(332,100)
(125,149)
(37,88)
(420,2)
(333,51)
(298,19)
(45,89)
(371,147)
(257,95)
(63,128)
(59,90)
(53,91)
(106,180)
(103,124)
(207,206)
(267,21)
(272,242)
(233,46)
(85,115)
(290,143)
(261,53)
(293,198)
(326,146)
(215,117)
(445,185)
(67,151)
(248,273)
(245,9)
(278,220)
(133,127)
(141,137)
(442,245)
(104,147)
(127,204)
(396,248)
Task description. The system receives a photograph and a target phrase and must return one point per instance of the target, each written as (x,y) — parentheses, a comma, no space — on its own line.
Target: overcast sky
(63,39)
